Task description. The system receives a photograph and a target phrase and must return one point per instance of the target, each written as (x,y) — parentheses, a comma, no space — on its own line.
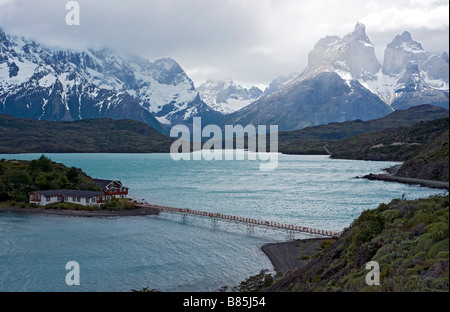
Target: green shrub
(111,204)
(438,247)
(443,255)
(324,245)
(92,208)
(256,282)
(304,257)
(21,197)
(424,243)
(366,227)
(438,231)
(126,205)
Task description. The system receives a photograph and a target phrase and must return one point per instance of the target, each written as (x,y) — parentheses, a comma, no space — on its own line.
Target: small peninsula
(44,187)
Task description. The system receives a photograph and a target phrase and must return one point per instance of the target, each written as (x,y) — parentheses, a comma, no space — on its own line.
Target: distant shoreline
(82,213)
(391,176)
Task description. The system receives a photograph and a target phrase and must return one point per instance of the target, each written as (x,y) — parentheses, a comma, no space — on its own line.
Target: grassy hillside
(394,144)
(408,238)
(85,136)
(312,139)
(431,162)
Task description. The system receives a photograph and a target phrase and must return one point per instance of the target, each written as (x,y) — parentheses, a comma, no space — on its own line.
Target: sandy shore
(82,213)
(287,256)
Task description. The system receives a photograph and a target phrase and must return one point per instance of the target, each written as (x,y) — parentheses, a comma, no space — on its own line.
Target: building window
(93,200)
(48,198)
(87,200)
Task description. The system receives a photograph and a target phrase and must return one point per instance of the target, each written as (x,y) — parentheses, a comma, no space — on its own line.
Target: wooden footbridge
(249,223)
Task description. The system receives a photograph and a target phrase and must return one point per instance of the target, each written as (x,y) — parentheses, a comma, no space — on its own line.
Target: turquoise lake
(162,252)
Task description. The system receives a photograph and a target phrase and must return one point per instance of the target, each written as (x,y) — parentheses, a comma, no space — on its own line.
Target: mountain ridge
(55,84)
(343,81)
(374,89)
(227,96)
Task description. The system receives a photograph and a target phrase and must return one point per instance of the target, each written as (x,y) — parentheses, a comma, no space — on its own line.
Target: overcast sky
(249,41)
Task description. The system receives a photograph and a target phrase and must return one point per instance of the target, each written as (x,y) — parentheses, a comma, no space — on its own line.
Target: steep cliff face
(329,90)
(353,55)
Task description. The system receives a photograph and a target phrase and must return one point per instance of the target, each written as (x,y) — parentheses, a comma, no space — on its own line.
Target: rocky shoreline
(82,213)
(393,178)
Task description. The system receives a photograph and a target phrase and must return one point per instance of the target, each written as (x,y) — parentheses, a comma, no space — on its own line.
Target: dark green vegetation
(312,140)
(394,144)
(430,162)
(85,136)
(417,136)
(408,238)
(423,146)
(71,206)
(254,283)
(18,178)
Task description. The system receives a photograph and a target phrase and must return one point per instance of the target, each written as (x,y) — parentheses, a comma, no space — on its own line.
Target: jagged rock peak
(405,36)
(358,34)
(352,56)
(2,35)
(403,41)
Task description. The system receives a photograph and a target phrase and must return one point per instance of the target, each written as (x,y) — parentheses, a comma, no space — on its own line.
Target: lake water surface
(162,252)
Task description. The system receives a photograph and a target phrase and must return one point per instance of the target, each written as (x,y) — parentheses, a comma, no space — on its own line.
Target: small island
(42,186)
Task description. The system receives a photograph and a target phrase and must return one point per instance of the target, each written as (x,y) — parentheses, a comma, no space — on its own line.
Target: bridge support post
(290,235)
(214,223)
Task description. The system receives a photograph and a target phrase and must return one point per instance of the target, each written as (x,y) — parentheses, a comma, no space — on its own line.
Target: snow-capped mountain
(280,82)
(46,83)
(327,91)
(345,81)
(351,57)
(411,76)
(226,96)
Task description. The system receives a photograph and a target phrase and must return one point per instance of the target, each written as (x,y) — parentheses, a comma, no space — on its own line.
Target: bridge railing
(217,215)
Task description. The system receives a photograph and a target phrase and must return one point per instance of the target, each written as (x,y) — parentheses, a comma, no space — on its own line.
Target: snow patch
(47,81)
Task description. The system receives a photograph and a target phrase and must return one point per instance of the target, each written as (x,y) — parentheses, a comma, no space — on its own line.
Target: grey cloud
(252,41)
